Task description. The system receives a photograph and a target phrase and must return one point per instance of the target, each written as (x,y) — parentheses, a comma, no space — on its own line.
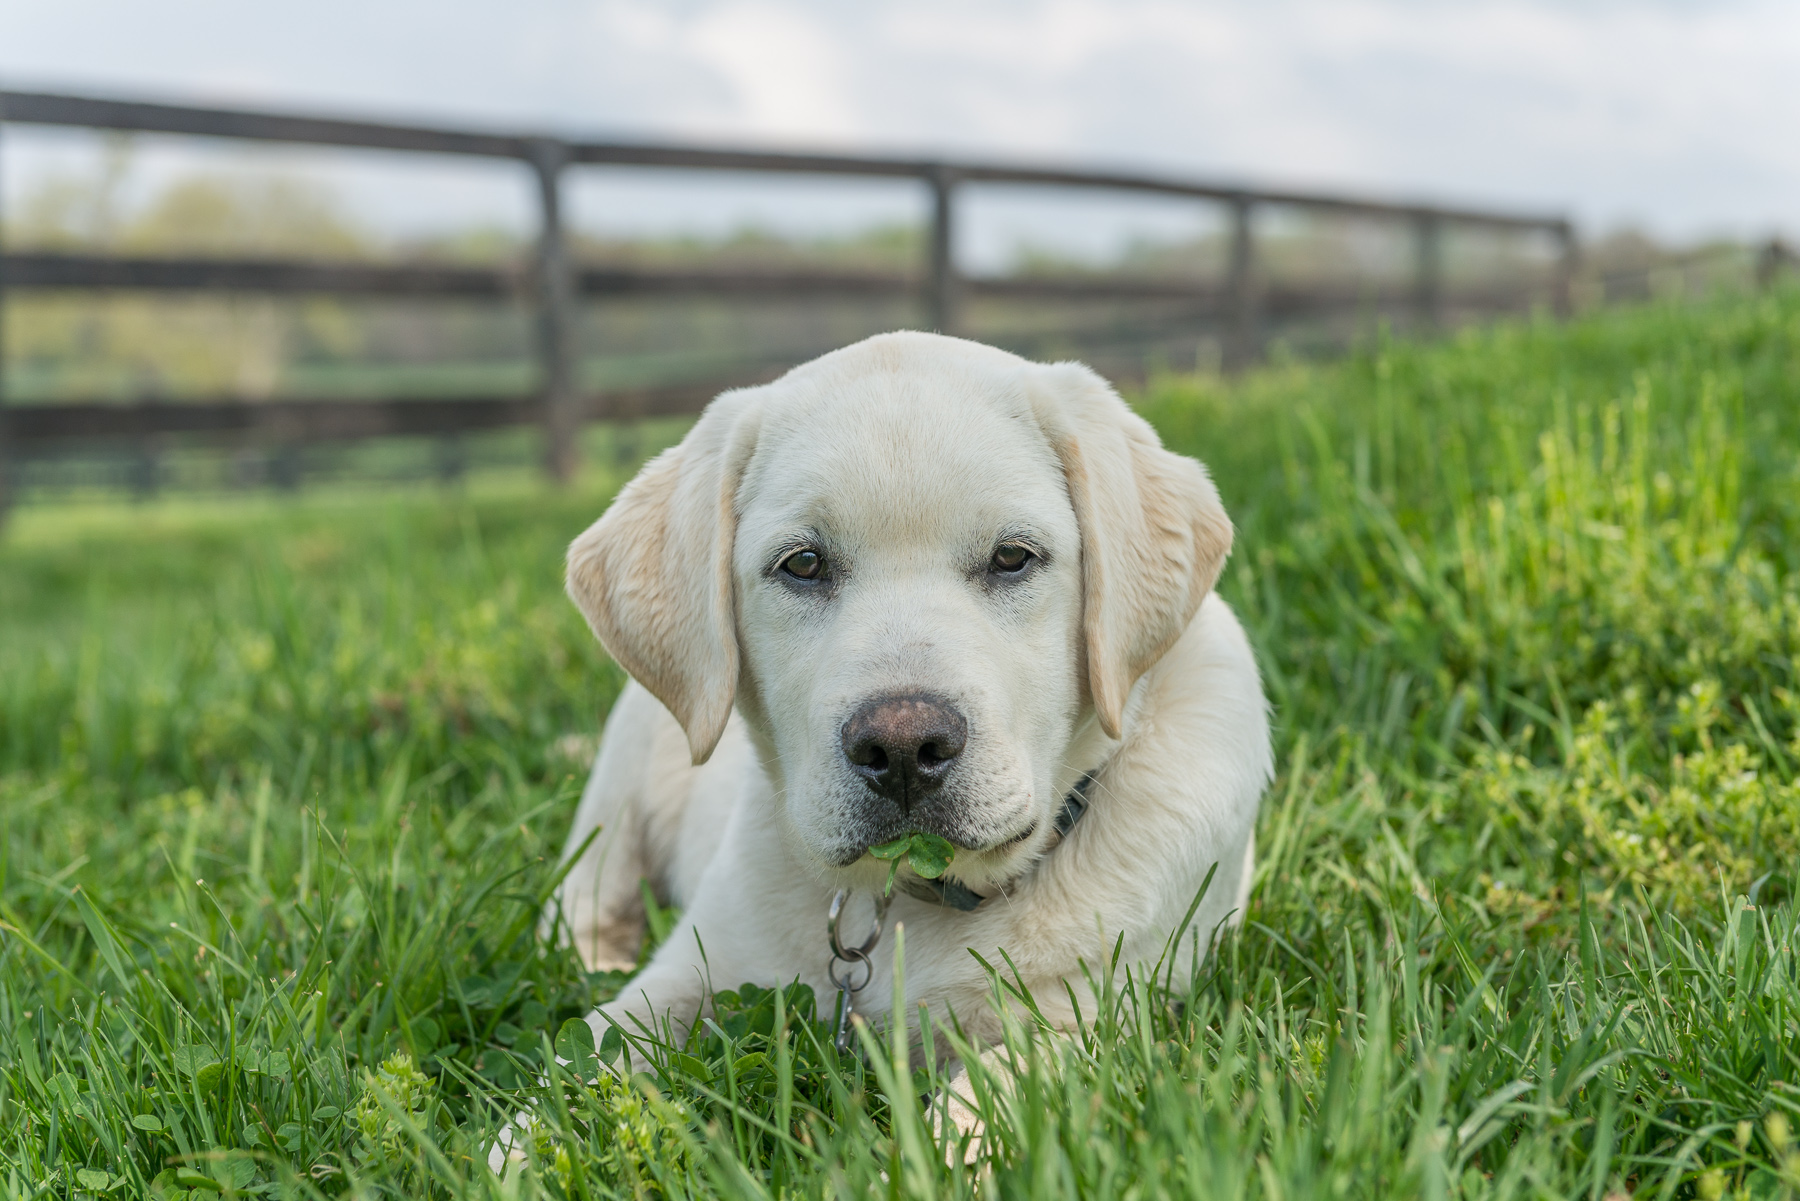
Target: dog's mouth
(1022,836)
(853,854)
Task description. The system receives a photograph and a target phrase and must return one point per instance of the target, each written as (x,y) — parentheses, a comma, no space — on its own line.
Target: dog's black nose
(903,746)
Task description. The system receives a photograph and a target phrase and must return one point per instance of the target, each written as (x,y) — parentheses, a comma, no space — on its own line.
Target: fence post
(556,316)
(451,460)
(1773,256)
(145,471)
(942,299)
(1568,262)
(1428,284)
(1243,338)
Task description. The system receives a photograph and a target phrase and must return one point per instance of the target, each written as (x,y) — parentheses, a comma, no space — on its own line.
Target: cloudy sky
(1678,115)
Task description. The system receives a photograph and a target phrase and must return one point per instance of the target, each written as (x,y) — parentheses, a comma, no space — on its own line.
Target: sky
(1676,116)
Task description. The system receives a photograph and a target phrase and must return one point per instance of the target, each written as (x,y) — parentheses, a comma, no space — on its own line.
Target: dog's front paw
(509,1146)
(508,1149)
(964,1129)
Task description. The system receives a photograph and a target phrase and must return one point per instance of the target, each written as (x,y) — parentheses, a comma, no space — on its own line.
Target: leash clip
(846,959)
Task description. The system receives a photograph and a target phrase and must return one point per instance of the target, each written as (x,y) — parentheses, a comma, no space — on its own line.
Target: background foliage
(283,786)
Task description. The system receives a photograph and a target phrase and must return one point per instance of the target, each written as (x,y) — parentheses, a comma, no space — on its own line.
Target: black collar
(945,891)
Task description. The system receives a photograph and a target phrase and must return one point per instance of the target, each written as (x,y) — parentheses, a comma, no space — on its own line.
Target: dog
(917,586)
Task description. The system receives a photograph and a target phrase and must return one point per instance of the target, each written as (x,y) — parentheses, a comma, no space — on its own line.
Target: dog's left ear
(1153,534)
(653,575)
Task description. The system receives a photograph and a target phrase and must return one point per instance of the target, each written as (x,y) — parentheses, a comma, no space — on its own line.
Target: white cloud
(787,71)
(1681,114)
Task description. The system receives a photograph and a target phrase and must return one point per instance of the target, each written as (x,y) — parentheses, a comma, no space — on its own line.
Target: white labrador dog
(918,585)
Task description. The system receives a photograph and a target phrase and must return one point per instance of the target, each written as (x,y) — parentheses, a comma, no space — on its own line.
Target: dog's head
(920,566)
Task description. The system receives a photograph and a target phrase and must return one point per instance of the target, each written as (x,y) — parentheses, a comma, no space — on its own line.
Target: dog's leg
(751,914)
(640,774)
(661,1003)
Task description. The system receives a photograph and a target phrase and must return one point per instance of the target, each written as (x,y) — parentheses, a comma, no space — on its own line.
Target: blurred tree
(123,345)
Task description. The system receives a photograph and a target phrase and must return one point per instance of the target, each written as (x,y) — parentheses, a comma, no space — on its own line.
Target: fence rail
(554,283)
(64,272)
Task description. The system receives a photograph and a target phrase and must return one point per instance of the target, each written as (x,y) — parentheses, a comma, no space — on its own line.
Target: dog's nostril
(902,745)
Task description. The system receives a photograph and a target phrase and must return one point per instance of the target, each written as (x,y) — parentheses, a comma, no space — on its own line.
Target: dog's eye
(804,564)
(1011,559)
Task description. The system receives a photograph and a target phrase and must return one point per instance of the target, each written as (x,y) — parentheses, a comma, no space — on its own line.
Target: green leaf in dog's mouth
(927,854)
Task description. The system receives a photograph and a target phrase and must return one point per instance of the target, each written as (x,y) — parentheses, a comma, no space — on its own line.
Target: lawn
(284,783)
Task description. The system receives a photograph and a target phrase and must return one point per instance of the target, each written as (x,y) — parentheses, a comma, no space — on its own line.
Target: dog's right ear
(653,575)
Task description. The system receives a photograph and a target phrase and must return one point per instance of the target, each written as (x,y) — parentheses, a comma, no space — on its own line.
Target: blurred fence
(1109,317)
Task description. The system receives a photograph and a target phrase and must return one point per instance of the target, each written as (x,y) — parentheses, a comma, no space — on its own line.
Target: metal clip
(846,959)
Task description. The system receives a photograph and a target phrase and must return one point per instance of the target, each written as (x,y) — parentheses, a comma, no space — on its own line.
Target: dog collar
(945,891)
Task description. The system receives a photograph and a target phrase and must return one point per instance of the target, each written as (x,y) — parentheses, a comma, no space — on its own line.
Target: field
(283,785)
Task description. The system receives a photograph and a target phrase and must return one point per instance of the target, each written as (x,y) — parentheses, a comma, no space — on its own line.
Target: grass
(283,786)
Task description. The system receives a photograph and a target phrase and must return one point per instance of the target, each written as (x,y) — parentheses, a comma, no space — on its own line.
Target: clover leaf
(575,1043)
(927,854)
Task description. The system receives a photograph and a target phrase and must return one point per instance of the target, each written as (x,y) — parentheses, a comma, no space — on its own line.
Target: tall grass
(283,786)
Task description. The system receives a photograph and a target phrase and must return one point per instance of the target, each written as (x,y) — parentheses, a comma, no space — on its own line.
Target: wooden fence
(556,284)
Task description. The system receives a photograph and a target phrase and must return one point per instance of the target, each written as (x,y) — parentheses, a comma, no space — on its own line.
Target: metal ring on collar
(851,961)
(868,944)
